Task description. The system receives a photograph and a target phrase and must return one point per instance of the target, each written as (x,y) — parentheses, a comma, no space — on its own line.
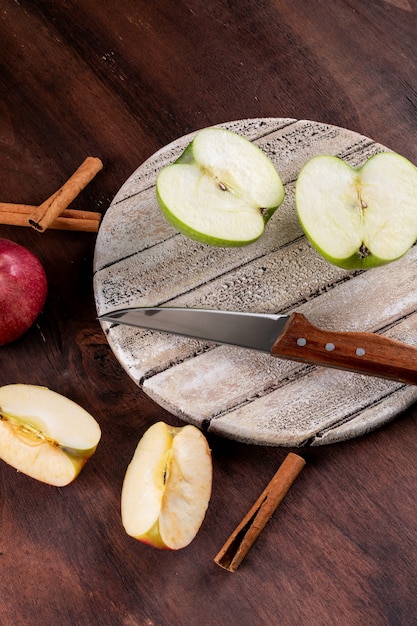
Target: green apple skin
(386,178)
(223,178)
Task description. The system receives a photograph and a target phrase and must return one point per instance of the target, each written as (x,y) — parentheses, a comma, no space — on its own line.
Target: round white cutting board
(140,260)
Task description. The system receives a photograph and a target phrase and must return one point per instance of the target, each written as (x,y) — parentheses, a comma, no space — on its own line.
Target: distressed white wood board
(140,260)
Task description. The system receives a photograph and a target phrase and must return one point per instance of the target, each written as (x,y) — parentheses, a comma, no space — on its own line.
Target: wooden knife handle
(366,353)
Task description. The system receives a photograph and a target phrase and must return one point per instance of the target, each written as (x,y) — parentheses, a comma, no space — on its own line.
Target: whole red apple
(23,289)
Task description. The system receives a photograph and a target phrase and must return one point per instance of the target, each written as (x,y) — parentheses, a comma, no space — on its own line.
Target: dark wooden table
(119,80)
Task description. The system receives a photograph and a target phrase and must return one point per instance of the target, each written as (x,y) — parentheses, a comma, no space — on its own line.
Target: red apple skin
(23,290)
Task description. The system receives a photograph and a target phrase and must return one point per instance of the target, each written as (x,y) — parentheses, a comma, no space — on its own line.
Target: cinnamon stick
(44,215)
(70,219)
(245,534)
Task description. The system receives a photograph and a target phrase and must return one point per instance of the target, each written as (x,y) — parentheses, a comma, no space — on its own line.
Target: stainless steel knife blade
(247,330)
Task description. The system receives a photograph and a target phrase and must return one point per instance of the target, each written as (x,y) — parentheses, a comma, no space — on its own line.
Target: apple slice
(221,191)
(45,435)
(167,486)
(359,218)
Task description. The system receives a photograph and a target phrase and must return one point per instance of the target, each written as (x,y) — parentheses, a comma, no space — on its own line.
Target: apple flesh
(221,191)
(44,434)
(359,218)
(167,486)
(23,290)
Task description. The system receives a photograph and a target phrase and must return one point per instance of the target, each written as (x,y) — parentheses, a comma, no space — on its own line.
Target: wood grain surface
(120,81)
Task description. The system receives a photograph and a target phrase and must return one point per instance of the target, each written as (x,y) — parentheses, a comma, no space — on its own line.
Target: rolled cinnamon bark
(245,534)
(69,219)
(44,216)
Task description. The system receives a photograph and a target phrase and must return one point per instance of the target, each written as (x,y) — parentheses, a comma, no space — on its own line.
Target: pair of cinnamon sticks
(53,213)
(246,533)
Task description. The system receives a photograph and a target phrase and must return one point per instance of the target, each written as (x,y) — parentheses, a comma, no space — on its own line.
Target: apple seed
(363,251)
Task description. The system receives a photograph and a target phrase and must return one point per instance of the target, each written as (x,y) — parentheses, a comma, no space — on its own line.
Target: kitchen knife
(285,336)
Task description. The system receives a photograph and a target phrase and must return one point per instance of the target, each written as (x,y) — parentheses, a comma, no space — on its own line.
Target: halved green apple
(221,191)
(44,434)
(359,218)
(167,486)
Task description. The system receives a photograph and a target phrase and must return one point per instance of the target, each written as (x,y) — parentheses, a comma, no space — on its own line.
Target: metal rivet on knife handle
(245,534)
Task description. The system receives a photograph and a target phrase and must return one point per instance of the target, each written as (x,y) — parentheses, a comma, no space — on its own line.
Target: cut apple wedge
(359,218)
(167,486)
(44,434)
(221,191)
